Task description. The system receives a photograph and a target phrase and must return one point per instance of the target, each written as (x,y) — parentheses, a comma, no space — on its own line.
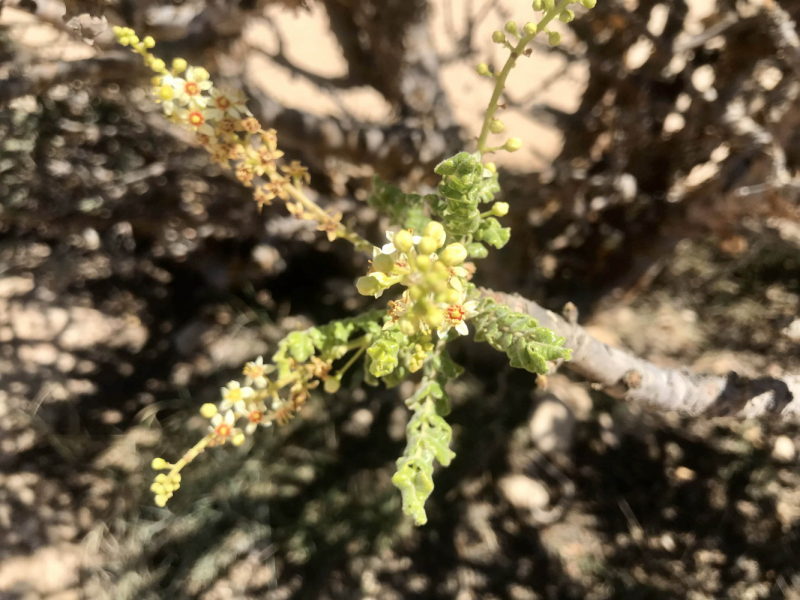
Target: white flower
(222,425)
(255,373)
(232,394)
(190,90)
(255,417)
(455,317)
(227,103)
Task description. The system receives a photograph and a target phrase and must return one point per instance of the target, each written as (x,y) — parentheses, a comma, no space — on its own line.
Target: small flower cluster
(225,127)
(434,274)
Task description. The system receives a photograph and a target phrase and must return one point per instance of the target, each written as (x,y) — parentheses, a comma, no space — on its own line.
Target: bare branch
(633,379)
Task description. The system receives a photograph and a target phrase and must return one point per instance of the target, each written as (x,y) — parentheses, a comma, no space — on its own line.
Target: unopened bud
(513,144)
(161,500)
(589,3)
(149,42)
(434,318)
(158,464)
(408,326)
(332,385)
(498,37)
(368,285)
(554,38)
(403,240)
(549,4)
(496,126)
(530,28)
(435,230)
(415,292)
(238,439)
(453,255)
(427,245)
(423,262)
(511,27)
(179,65)
(208,410)
(158,65)
(538,5)
(567,16)
(500,209)
(383,263)
(491,166)
(483,69)
(201,74)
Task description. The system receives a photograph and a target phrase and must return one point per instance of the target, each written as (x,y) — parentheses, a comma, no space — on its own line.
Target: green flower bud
(149,42)
(158,65)
(161,500)
(179,65)
(496,126)
(368,285)
(383,263)
(332,385)
(530,28)
(408,326)
(435,230)
(453,255)
(158,464)
(434,318)
(554,38)
(423,262)
(403,241)
(511,27)
(513,144)
(441,271)
(452,296)
(157,488)
(498,37)
(549,4)
(538,5)
(483,69)
(500,209)
(420,308)
(589,3)
(427,245)
(491,166)
(566,16)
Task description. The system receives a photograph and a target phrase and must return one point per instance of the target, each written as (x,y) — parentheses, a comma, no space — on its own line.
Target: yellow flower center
(166,92)
(222,103)
(191,88)
(223,430)
(255,416)
(455,313)
(196,118)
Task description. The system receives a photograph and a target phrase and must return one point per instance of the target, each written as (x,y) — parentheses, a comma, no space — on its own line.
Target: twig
(633,379)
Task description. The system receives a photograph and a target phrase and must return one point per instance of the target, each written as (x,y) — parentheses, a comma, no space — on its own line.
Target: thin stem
(500,78)
(190,455)
(353,358)
(342,230)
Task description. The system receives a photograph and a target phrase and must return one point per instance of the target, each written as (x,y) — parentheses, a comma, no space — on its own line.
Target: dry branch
(627,377)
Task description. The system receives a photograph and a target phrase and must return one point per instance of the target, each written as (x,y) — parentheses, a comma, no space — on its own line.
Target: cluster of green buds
(435,276)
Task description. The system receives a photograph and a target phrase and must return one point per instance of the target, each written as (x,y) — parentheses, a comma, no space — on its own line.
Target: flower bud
(453,255)
(368,285)
(157,488)
(403,240)
(427,245)
(452,296)
(408,326)
(161,500)
(161,478)
(589,3)
(513,144)
(332,385)
(158,65)
(238,439)
(554,38)
(179,65)
(201,74)
(496,126)
(498,37)
(208,410)
(158,464)
(491,166)
(423,262)
(483,69)
(434,318)
(383,263)
(530,28)
(415,292)
(149,42)
(549,4)
(538,5)
(420,308)
(567,16)
(511,27)
(435,230)
(500,209)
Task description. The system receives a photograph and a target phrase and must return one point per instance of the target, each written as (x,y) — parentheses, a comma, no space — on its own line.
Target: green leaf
(300,346)
(527,345)
(477,250)
(384,351)
(492,233)
(406,210)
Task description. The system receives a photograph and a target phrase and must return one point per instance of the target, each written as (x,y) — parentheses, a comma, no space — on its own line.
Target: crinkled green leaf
(491,232)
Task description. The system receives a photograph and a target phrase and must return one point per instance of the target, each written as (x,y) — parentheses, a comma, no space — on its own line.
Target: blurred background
(657,190)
